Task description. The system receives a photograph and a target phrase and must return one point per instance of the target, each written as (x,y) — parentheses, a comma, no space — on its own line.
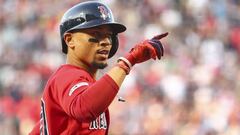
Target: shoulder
(71,72)
(67,75)
(65,78)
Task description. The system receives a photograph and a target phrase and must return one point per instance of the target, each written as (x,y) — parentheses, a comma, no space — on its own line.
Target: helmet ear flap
(64,47)
(115,44)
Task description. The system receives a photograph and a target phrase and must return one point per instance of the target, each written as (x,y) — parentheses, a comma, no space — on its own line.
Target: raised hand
(145,50)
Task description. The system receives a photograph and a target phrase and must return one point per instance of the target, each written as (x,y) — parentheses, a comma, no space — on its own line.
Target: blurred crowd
(193,90)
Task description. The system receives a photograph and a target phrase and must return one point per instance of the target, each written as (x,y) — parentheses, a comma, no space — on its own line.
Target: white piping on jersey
(77,86)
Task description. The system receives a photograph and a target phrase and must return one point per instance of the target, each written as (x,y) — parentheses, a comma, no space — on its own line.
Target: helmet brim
(115,27)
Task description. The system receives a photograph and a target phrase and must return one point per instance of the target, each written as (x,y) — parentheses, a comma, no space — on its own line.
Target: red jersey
(74,103)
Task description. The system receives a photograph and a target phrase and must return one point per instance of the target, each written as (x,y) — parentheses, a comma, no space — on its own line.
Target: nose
(107,41)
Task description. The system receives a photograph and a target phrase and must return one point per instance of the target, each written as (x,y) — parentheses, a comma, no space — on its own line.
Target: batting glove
(148,49)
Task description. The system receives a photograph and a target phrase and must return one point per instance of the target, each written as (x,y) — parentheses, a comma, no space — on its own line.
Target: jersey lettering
(99,123)
(102,121)
(94,125)
(43,121)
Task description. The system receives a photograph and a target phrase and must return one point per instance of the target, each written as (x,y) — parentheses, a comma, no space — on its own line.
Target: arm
(97,97)
(118,74)
(140,53)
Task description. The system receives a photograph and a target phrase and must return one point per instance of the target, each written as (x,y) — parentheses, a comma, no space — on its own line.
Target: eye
(99,35)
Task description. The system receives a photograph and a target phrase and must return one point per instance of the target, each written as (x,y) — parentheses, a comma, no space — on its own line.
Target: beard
(99,65)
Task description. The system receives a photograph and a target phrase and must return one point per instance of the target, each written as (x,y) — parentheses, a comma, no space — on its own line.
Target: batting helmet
(88,15)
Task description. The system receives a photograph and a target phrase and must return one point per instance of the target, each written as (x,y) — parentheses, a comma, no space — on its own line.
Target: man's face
(93,52)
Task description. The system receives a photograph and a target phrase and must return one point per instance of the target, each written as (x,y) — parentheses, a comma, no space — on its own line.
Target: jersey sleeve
(84,99)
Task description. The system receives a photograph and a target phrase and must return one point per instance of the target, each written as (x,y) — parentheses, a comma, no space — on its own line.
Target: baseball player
(73,101)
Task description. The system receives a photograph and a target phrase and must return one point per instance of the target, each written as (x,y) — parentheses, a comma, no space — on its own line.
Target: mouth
(103,53)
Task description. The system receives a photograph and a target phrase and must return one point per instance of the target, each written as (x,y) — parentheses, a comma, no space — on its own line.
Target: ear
(68,38)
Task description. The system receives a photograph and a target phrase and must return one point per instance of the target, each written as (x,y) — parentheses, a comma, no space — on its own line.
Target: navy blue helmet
(88,15)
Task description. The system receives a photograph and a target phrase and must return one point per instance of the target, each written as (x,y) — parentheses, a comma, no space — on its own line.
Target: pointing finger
(160,36)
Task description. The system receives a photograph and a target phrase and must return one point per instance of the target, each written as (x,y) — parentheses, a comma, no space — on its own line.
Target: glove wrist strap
(126,61)
(123,66)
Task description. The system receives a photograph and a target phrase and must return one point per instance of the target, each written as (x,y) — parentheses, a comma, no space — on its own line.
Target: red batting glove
(144,51)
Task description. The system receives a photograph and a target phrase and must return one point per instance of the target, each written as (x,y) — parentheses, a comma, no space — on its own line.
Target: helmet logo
(103,11)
